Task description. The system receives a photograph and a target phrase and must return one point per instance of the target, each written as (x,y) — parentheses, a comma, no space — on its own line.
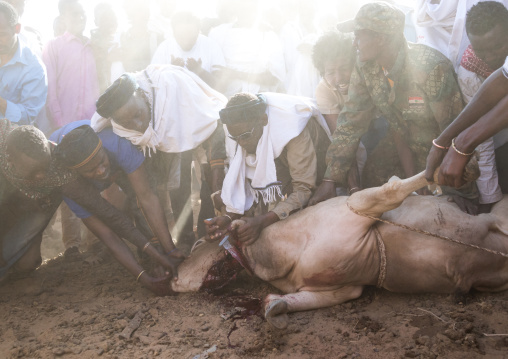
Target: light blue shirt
(24,85)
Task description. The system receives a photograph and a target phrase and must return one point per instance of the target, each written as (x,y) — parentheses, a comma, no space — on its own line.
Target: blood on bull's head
(193,272)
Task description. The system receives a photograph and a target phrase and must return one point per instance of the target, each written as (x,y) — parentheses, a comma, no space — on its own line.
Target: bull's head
(200,269)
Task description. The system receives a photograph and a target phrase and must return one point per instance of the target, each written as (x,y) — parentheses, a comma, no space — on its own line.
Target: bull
(325,255)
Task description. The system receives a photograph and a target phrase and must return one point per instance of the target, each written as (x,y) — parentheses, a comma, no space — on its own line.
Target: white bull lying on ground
(325,254)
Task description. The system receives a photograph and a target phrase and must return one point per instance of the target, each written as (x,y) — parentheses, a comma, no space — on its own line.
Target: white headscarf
(251,177)
(185,110)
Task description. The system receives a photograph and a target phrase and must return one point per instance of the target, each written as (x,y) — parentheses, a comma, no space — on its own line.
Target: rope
(425,232)
(382,258)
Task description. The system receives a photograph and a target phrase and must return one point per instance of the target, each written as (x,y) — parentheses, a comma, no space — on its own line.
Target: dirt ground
(68,309)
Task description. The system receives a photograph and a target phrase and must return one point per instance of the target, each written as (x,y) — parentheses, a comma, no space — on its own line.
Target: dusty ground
(72,310)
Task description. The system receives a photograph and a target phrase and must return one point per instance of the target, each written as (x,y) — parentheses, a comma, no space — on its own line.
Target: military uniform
(419,98)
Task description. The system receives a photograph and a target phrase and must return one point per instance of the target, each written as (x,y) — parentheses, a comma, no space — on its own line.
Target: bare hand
(466,205)
(177,61)
(173,260)
(159,286)
(325,191)
(249,231)
(194,65)
(216,228)
(452,169)
(434,159)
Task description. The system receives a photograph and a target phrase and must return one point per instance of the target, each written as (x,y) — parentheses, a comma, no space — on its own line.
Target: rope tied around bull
(456,241)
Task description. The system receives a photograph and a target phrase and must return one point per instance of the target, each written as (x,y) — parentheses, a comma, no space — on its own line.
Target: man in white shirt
(190,49)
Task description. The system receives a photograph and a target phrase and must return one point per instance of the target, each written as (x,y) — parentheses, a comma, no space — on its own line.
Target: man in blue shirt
(102,159)
(23,81)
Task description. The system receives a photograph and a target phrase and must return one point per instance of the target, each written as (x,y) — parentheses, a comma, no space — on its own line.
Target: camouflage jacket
(421,101)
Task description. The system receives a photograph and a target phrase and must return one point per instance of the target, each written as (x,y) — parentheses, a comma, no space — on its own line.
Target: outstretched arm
(122,253)
(493,90)
(88,197)
(154,213)
(452,168)
(485,111)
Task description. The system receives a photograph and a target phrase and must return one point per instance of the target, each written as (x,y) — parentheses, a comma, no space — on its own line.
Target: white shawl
(185,113)
(253,176)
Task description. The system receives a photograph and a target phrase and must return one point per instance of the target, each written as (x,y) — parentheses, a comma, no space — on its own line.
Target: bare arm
(483,117)
(122,253)
(453,165)
(493,90)
(151,207)
(87,196)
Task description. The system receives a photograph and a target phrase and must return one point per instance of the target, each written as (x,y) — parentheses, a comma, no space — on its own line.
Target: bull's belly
(419,263)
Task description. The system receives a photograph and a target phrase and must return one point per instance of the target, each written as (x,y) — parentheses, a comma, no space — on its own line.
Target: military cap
(380,17)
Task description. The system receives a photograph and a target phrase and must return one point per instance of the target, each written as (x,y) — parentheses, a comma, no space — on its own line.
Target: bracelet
(328,180)
(227,215)
(352,189)
(438,146)
(171,251)
(460,153)
(139,275)
(145,246)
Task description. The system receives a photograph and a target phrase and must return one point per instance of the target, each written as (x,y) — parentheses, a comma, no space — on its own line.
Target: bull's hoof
(276,313)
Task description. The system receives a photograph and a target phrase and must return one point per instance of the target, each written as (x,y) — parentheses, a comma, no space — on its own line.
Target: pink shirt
(73,86)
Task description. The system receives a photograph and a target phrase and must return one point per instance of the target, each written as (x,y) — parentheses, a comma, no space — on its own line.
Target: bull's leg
(277,306)
(375,201)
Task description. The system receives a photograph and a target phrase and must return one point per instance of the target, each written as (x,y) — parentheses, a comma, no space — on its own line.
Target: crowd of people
(274,115)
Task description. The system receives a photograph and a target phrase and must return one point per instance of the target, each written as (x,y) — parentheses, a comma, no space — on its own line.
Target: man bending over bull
(275,144)
(170,110)
(105,158)
(413,86)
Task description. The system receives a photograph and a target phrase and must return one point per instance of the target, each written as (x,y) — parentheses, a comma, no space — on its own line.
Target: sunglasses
(243,136)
